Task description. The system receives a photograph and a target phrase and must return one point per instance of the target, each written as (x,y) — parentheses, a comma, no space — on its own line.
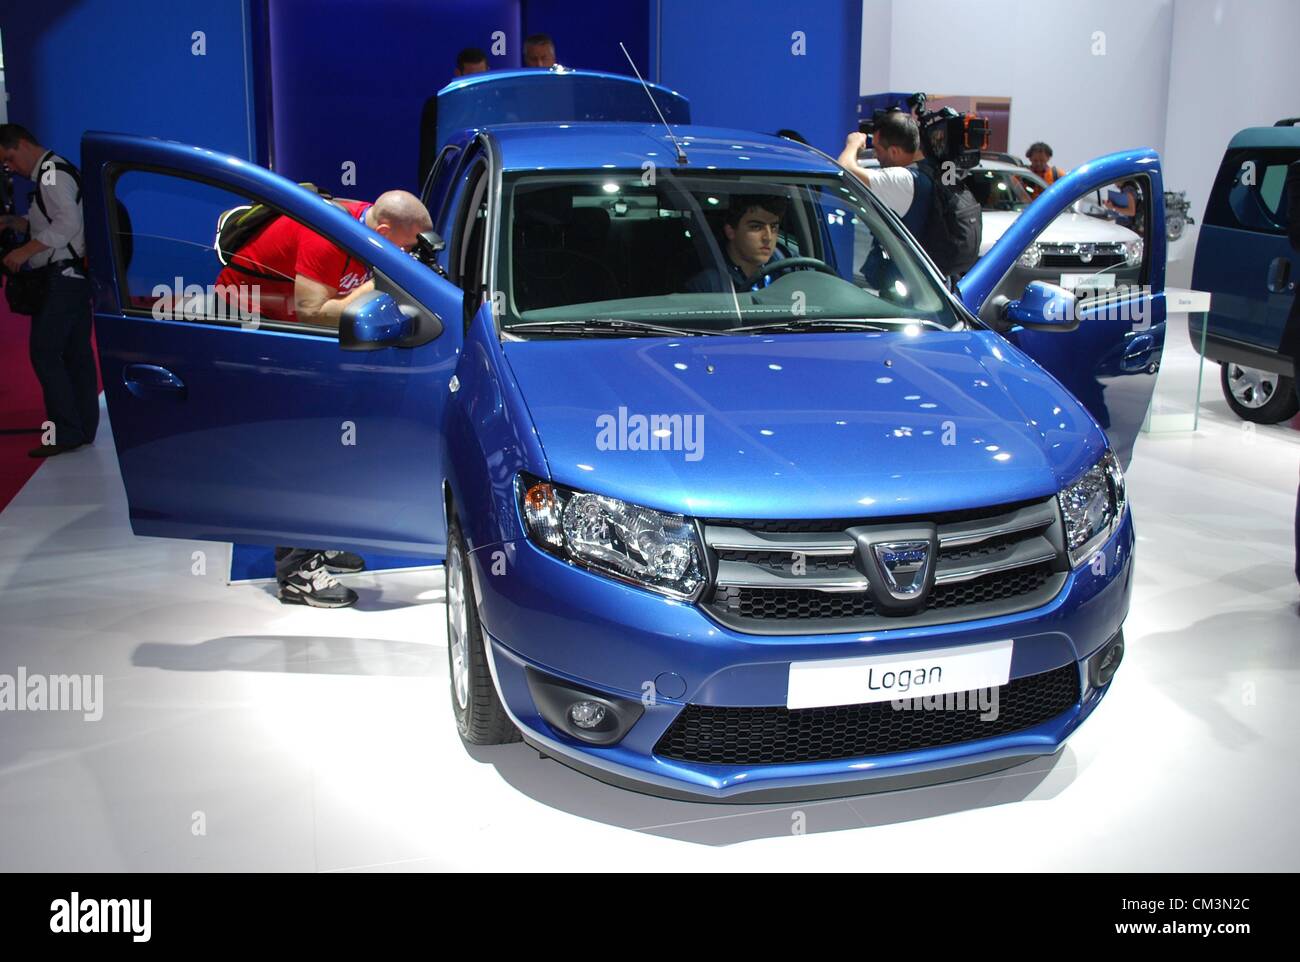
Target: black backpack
(954,226)
(239,225)
(123,218)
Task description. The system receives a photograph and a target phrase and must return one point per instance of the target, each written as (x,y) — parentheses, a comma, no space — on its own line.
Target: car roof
(1266,137)
(585,145)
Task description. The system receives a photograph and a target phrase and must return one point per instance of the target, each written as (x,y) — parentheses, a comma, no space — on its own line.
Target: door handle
(1136,352)
(148,381)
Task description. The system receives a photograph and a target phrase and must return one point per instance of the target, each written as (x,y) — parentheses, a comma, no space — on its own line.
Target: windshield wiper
(847,323)
(605,326)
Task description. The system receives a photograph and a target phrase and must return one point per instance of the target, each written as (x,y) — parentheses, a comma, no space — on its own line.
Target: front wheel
(1259,396)
(480,716)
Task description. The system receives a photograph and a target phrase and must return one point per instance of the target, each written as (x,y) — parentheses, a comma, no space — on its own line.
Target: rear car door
(1244,230)
(1114,264)
(257,426)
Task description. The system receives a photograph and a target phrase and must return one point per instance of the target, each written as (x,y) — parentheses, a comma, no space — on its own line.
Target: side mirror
(1279,275)
(1043,307)
(375,320)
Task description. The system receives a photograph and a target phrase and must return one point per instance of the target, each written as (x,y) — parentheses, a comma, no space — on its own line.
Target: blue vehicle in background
(1242,259)
(706,543)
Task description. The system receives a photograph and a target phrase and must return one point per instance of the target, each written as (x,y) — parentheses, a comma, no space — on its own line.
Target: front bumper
(546,617)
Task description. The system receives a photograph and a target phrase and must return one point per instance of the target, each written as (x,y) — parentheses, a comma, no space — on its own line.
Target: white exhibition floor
(323,740)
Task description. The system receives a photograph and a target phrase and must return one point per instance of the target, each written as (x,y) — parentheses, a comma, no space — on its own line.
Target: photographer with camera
(923,161)
(46,277)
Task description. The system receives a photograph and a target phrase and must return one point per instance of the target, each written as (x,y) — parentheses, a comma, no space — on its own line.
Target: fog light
(587,714)
(1105,663)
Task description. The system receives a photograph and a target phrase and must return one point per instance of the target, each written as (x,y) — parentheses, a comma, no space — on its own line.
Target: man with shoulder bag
(46,277)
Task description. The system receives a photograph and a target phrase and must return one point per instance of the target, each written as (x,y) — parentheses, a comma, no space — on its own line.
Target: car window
(703,251)
(1249,190)
(180,256)
(998,190)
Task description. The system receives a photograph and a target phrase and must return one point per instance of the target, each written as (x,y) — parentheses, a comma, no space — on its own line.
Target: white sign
(872,678)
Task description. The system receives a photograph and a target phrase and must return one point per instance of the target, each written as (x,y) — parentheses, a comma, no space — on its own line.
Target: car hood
(1070,228)
(803,425)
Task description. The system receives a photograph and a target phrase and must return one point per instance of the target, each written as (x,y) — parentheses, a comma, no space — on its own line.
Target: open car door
(1099,233)
(235,416)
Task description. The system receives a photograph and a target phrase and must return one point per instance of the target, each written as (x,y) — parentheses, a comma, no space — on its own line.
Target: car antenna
(681,154)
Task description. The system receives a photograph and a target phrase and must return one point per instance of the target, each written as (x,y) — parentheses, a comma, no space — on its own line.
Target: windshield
(1000,189)
(706,253)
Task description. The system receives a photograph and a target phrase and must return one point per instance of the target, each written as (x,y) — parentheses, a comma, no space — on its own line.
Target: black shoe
(50,450)
(312,584)
(343,562)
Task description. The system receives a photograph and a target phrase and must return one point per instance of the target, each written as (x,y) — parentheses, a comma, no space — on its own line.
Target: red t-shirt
(286,249)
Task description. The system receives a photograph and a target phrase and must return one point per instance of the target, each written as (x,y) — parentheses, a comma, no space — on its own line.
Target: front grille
(1098,261)
(773,736)
(808,576)
(777,603)
(1083,256)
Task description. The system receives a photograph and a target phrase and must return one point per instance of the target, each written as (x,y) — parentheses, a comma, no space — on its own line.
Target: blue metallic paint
(552,97)
(795,425)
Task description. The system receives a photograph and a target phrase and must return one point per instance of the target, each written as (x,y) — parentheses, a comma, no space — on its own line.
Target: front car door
(1113,263)
(256,426)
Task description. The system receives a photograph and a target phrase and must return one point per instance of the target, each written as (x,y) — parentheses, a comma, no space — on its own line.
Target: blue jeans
(63,360)
(1297,497)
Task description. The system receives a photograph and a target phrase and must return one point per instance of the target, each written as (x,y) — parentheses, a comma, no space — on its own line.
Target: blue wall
(587,32)
(734,61)
(75,65)
(349,80)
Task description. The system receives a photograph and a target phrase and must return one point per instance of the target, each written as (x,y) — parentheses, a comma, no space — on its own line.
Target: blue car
(739,498)
(1243,260)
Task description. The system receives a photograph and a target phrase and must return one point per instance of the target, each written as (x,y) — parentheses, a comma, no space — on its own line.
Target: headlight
(650,548)
(1093,508)
(1031,257)
(1133,252)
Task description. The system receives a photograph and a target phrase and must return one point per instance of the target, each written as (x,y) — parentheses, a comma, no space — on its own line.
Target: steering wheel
(796,263)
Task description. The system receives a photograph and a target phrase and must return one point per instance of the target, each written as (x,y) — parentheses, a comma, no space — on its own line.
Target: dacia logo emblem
(905,565)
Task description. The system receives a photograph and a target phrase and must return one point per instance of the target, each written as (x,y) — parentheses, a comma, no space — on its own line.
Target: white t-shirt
(893,186)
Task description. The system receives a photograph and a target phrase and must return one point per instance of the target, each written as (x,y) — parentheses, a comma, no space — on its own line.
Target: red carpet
(21,408)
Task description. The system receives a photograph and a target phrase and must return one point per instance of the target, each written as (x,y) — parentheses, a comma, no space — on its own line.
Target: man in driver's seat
(750,231)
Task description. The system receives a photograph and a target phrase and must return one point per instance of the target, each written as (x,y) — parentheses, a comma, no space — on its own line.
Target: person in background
(897,142)
(471,60)
(60,349)
(1040,162)
(1290,345)
(1129,213)
(539,51)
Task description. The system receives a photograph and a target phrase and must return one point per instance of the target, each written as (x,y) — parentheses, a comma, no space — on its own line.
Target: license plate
(872,678)
(1100,282)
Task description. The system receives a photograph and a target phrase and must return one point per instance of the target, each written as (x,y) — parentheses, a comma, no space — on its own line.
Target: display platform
(237,734)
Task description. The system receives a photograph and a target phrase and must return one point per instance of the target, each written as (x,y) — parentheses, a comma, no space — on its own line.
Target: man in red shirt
(300,276)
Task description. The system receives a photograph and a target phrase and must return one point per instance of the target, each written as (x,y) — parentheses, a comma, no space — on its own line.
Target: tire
(1256,395)
(481,719)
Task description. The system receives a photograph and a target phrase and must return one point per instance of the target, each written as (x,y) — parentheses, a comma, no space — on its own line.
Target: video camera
(946,135)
